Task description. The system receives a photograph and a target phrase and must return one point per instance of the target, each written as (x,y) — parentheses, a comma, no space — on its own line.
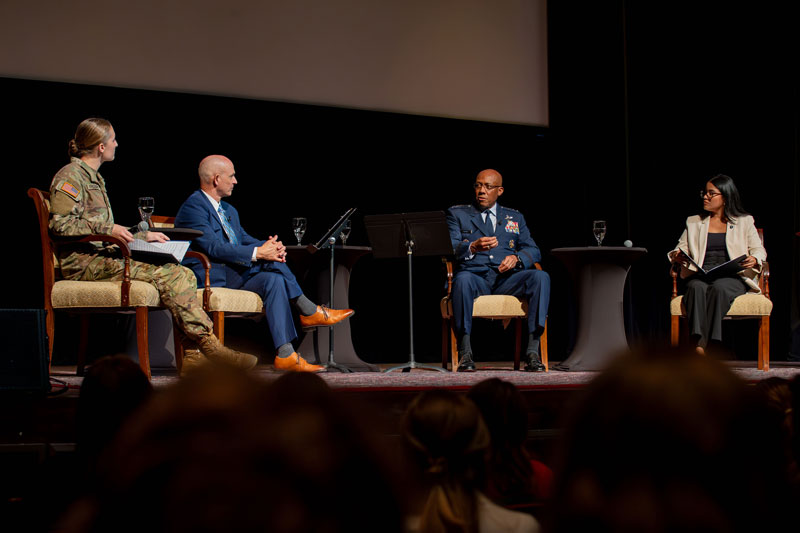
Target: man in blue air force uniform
(240,261)
(495,254)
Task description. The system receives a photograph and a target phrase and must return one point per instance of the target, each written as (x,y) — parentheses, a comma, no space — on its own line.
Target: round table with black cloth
(313,271)
(598,273)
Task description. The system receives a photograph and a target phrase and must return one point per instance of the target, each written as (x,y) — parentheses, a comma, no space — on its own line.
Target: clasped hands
(487,243)
(272,250)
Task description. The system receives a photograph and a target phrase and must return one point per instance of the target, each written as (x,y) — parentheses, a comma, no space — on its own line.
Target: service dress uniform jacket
(477,274)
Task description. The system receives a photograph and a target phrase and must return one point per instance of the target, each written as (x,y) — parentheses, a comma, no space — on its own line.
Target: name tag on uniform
(512,226)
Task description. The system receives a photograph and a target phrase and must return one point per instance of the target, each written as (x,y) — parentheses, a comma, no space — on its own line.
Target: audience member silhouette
(513,477)
(447,441)
(795,440)
(663,440)
(221,451)
(113,388)
(773,399)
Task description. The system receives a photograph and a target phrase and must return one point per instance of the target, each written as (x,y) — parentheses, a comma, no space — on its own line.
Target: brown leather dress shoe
(325,317)
(295,363)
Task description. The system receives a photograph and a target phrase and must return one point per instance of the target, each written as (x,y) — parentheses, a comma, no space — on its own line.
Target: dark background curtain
(647,101)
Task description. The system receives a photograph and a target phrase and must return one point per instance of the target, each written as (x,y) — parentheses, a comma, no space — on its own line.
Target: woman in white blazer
(723,231)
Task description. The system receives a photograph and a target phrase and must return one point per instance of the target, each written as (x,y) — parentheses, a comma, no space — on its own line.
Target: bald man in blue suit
(495,254)
(239,261)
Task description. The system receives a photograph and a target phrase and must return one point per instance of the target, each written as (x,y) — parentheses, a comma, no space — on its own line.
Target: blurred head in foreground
(661,441)
(221,451)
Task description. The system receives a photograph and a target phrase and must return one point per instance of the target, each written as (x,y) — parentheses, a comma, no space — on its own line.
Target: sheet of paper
(177,249)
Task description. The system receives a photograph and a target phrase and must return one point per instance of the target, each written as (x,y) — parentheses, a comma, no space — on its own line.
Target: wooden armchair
(493,307)
(219,302)
(748,305)
(88,297)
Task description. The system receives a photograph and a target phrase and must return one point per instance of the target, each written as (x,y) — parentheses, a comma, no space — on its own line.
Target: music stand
(327,241)
(409,234)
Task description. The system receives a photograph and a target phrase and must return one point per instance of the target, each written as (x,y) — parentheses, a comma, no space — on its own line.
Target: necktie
(227,226)
(488,221)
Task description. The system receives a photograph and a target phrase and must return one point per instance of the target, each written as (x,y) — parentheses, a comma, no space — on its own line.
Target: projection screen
(473,59)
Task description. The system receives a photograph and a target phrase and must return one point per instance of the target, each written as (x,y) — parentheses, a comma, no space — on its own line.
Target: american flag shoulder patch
(70,189)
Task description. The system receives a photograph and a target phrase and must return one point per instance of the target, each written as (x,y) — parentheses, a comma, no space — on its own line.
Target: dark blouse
(716,251)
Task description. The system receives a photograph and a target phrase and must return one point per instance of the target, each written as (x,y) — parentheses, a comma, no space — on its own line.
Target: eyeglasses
(477,186)
(710,194)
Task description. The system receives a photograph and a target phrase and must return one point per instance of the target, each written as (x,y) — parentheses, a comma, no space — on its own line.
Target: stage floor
(425,379)
(380,396)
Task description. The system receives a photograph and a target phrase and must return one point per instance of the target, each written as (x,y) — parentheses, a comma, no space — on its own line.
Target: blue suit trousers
(276,285)
(530,285)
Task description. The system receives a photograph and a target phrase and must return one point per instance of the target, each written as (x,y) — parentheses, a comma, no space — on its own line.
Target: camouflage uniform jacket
(79,205)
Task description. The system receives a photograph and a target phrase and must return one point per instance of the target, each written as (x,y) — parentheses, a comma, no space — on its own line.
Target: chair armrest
(203,258)
(763,280)
(200,256)
(94,237)
(448,265)
(674,270)
(449,268)
(125,288)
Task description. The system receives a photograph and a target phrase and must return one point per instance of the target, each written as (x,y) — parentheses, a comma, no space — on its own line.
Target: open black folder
(727,269)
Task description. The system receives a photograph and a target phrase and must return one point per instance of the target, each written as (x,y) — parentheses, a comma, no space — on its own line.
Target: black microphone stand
(411,361)
(331,362)
(329,240)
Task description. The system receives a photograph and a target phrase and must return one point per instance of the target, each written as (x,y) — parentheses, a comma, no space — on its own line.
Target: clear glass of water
(146,206)
(599,230)
(346,227)
(299,228)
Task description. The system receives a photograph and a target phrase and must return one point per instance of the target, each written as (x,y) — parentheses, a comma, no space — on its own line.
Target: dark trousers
(707,303)
(530,285)
(276,285)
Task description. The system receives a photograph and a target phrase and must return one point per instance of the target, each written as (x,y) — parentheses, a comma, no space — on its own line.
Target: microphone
(628,243)
(141,226)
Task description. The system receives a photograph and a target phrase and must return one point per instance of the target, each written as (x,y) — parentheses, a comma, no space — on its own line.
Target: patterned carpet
(423,379)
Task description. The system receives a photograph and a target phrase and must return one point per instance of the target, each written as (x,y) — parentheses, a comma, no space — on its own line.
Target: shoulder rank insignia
(512,226)
(70,189)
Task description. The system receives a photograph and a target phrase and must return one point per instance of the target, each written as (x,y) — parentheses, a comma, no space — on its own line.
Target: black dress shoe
(466,364)
(533,364)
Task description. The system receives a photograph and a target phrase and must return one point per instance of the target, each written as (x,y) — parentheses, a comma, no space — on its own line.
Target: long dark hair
(510,474)
(730,195)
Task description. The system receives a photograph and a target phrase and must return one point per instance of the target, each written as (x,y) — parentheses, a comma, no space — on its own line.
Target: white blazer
(741,238)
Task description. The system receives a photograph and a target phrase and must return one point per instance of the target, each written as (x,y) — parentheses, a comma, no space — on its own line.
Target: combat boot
(217,353)
(192,360)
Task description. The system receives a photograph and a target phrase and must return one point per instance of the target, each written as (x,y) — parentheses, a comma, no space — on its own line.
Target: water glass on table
(299,228)
(146,206)
(599,230)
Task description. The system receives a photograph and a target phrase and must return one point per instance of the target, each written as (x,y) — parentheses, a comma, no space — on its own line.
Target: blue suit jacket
(466,225)
(228,261)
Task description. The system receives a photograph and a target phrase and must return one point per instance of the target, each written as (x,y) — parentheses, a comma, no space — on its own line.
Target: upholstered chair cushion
(492,306)
(749,304)
(75,294)
(233,300)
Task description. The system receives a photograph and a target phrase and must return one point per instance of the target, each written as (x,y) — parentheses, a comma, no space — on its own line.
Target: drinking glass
(599,230)
(346,227)
(299,228)
(146,207)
